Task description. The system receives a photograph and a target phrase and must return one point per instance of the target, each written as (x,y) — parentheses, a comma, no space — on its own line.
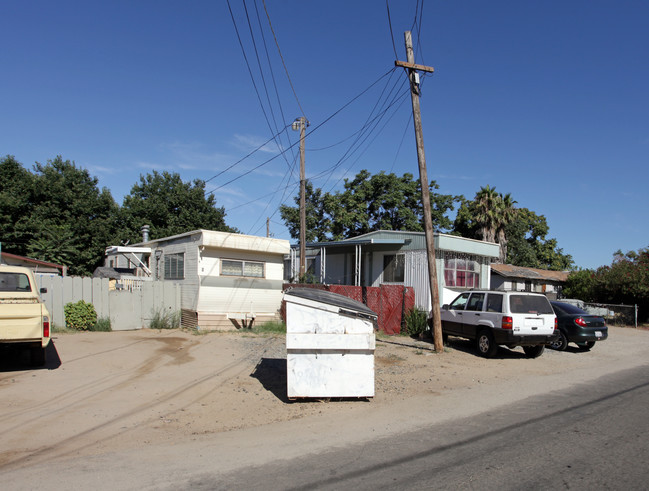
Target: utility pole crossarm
(414,66)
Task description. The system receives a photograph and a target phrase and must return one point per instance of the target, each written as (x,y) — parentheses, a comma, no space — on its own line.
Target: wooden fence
(127,309)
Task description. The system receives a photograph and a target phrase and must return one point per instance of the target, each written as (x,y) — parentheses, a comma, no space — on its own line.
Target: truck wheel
(37,356)
(534,351)
(485,344)
(586,346)
(561,343)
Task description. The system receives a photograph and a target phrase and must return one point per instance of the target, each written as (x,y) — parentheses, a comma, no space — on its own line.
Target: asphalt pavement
(592,436)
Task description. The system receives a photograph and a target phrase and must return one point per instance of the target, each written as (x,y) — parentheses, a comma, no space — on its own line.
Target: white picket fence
(127,308)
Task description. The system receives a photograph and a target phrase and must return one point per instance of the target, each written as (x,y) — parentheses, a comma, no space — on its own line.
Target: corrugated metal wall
(416,275)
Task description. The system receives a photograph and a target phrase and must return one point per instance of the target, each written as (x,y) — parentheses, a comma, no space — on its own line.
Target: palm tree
(486,212)
(492,212)
(506,214)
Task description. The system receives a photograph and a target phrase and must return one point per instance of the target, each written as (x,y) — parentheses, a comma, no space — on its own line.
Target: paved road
(594,436)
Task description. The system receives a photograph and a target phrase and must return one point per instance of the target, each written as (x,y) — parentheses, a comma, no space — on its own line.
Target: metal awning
(130,252)
(112,250)
(357,245)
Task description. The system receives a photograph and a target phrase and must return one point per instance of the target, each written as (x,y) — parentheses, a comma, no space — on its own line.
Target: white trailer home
(228,280)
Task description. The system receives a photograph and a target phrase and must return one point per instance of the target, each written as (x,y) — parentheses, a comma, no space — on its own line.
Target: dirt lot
(110,393)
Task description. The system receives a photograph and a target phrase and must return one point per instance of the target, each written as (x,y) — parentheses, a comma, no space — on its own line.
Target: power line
(287,176)
(296,143)
(245,57)
(244,158)
(272,72)
(287,186)
(376,135)
(283,62)
(394,47)
(261,71)
(419,12)
(369,123)
(405,130)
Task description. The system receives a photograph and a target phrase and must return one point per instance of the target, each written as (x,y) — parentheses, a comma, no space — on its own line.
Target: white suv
(492,318)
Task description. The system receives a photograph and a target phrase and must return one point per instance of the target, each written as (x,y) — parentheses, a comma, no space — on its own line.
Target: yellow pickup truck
(24,319)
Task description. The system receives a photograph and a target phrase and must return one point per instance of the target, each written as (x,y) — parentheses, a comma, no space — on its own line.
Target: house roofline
(63,268)
(520,272)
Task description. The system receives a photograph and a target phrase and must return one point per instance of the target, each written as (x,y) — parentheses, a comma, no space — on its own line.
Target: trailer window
(174,266)
(231,267)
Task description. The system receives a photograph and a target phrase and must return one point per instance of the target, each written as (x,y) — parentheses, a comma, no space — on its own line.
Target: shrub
(416,322)
(80,315)
(102,325)
(165,320)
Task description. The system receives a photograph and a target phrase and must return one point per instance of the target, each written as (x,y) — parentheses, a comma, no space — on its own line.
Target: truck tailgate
(20,321)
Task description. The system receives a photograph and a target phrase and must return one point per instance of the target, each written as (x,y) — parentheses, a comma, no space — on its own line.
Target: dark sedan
(577,326)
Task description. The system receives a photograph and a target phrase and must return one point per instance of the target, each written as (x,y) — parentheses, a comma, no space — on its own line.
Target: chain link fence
(615,314)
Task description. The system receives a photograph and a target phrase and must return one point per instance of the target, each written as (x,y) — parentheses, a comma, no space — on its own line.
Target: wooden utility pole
(300,125)
(423,178)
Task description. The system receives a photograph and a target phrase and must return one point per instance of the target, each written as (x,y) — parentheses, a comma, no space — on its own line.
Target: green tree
(625,281)
(16,198)
(528,245)
(54,243)
(170,207)
(486,212)
(507,213)
(580,284)
(318,221)
(520,233)
(56,213)
(368,203)
(67,203)
(487,218)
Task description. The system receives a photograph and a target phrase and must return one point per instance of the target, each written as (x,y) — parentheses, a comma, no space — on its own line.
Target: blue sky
(546,100)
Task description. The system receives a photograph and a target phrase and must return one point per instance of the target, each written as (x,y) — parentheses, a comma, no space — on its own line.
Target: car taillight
(46,327)
(580,321)
(556,323)
(508,322)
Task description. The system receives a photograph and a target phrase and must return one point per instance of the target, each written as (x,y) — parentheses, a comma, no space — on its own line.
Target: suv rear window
(529,304)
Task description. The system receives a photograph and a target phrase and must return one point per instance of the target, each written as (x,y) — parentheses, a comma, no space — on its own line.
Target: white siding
(250,297)
(186,246)
(236,295)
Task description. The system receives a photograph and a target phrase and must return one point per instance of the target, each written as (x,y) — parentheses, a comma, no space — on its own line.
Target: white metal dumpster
(329,345)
